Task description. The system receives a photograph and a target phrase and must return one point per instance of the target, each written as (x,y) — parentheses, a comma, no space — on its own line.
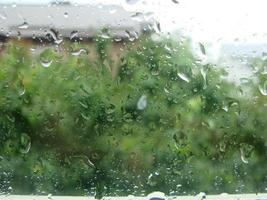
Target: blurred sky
(204,20)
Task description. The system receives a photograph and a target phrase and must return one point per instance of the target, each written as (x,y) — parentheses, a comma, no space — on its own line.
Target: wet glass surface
(132,97)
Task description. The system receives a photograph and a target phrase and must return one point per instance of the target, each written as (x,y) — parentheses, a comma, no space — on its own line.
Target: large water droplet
(156,196)
(25,25)
(142,102)
(263,88)
(46,63)
(25,143)
(184,77)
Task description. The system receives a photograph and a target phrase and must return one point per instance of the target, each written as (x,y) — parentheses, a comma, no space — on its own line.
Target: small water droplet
(204,75)
(142,102)
(9,189)
(201,196)
(242,154)
(152,179)
(20,88)
(157,27)
(24,25)
(263,88)
(166,90)
(105,35)
(66,15)
(2,15)
(22,92)
(202,48)
(83,104)
(131,35)
(25,143)
(225,107)
(138,16)
(130,197)
(132,1)
(46,63)
(84,116)
(73,34)
(78,52)
(175,1)
(32,49)
(112,11)
(264,70)
(183,77)
(222,146)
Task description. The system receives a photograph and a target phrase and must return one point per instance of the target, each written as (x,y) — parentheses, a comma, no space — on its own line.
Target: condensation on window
(133,97)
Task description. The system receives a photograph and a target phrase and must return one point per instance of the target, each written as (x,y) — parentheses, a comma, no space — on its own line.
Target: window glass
(130,97)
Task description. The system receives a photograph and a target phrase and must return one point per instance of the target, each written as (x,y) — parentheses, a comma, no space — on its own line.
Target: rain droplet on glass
(184,77)
(175,1)
(263,88)
(73,34)
(46,63)
(66,15)
(243,157)
(142,102)
(25,141)
(156,196)
(132,1)
(24,25)
(55,36)
(78,52)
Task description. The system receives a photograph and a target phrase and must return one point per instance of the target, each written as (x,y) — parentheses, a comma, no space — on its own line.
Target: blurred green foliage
(70,128)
